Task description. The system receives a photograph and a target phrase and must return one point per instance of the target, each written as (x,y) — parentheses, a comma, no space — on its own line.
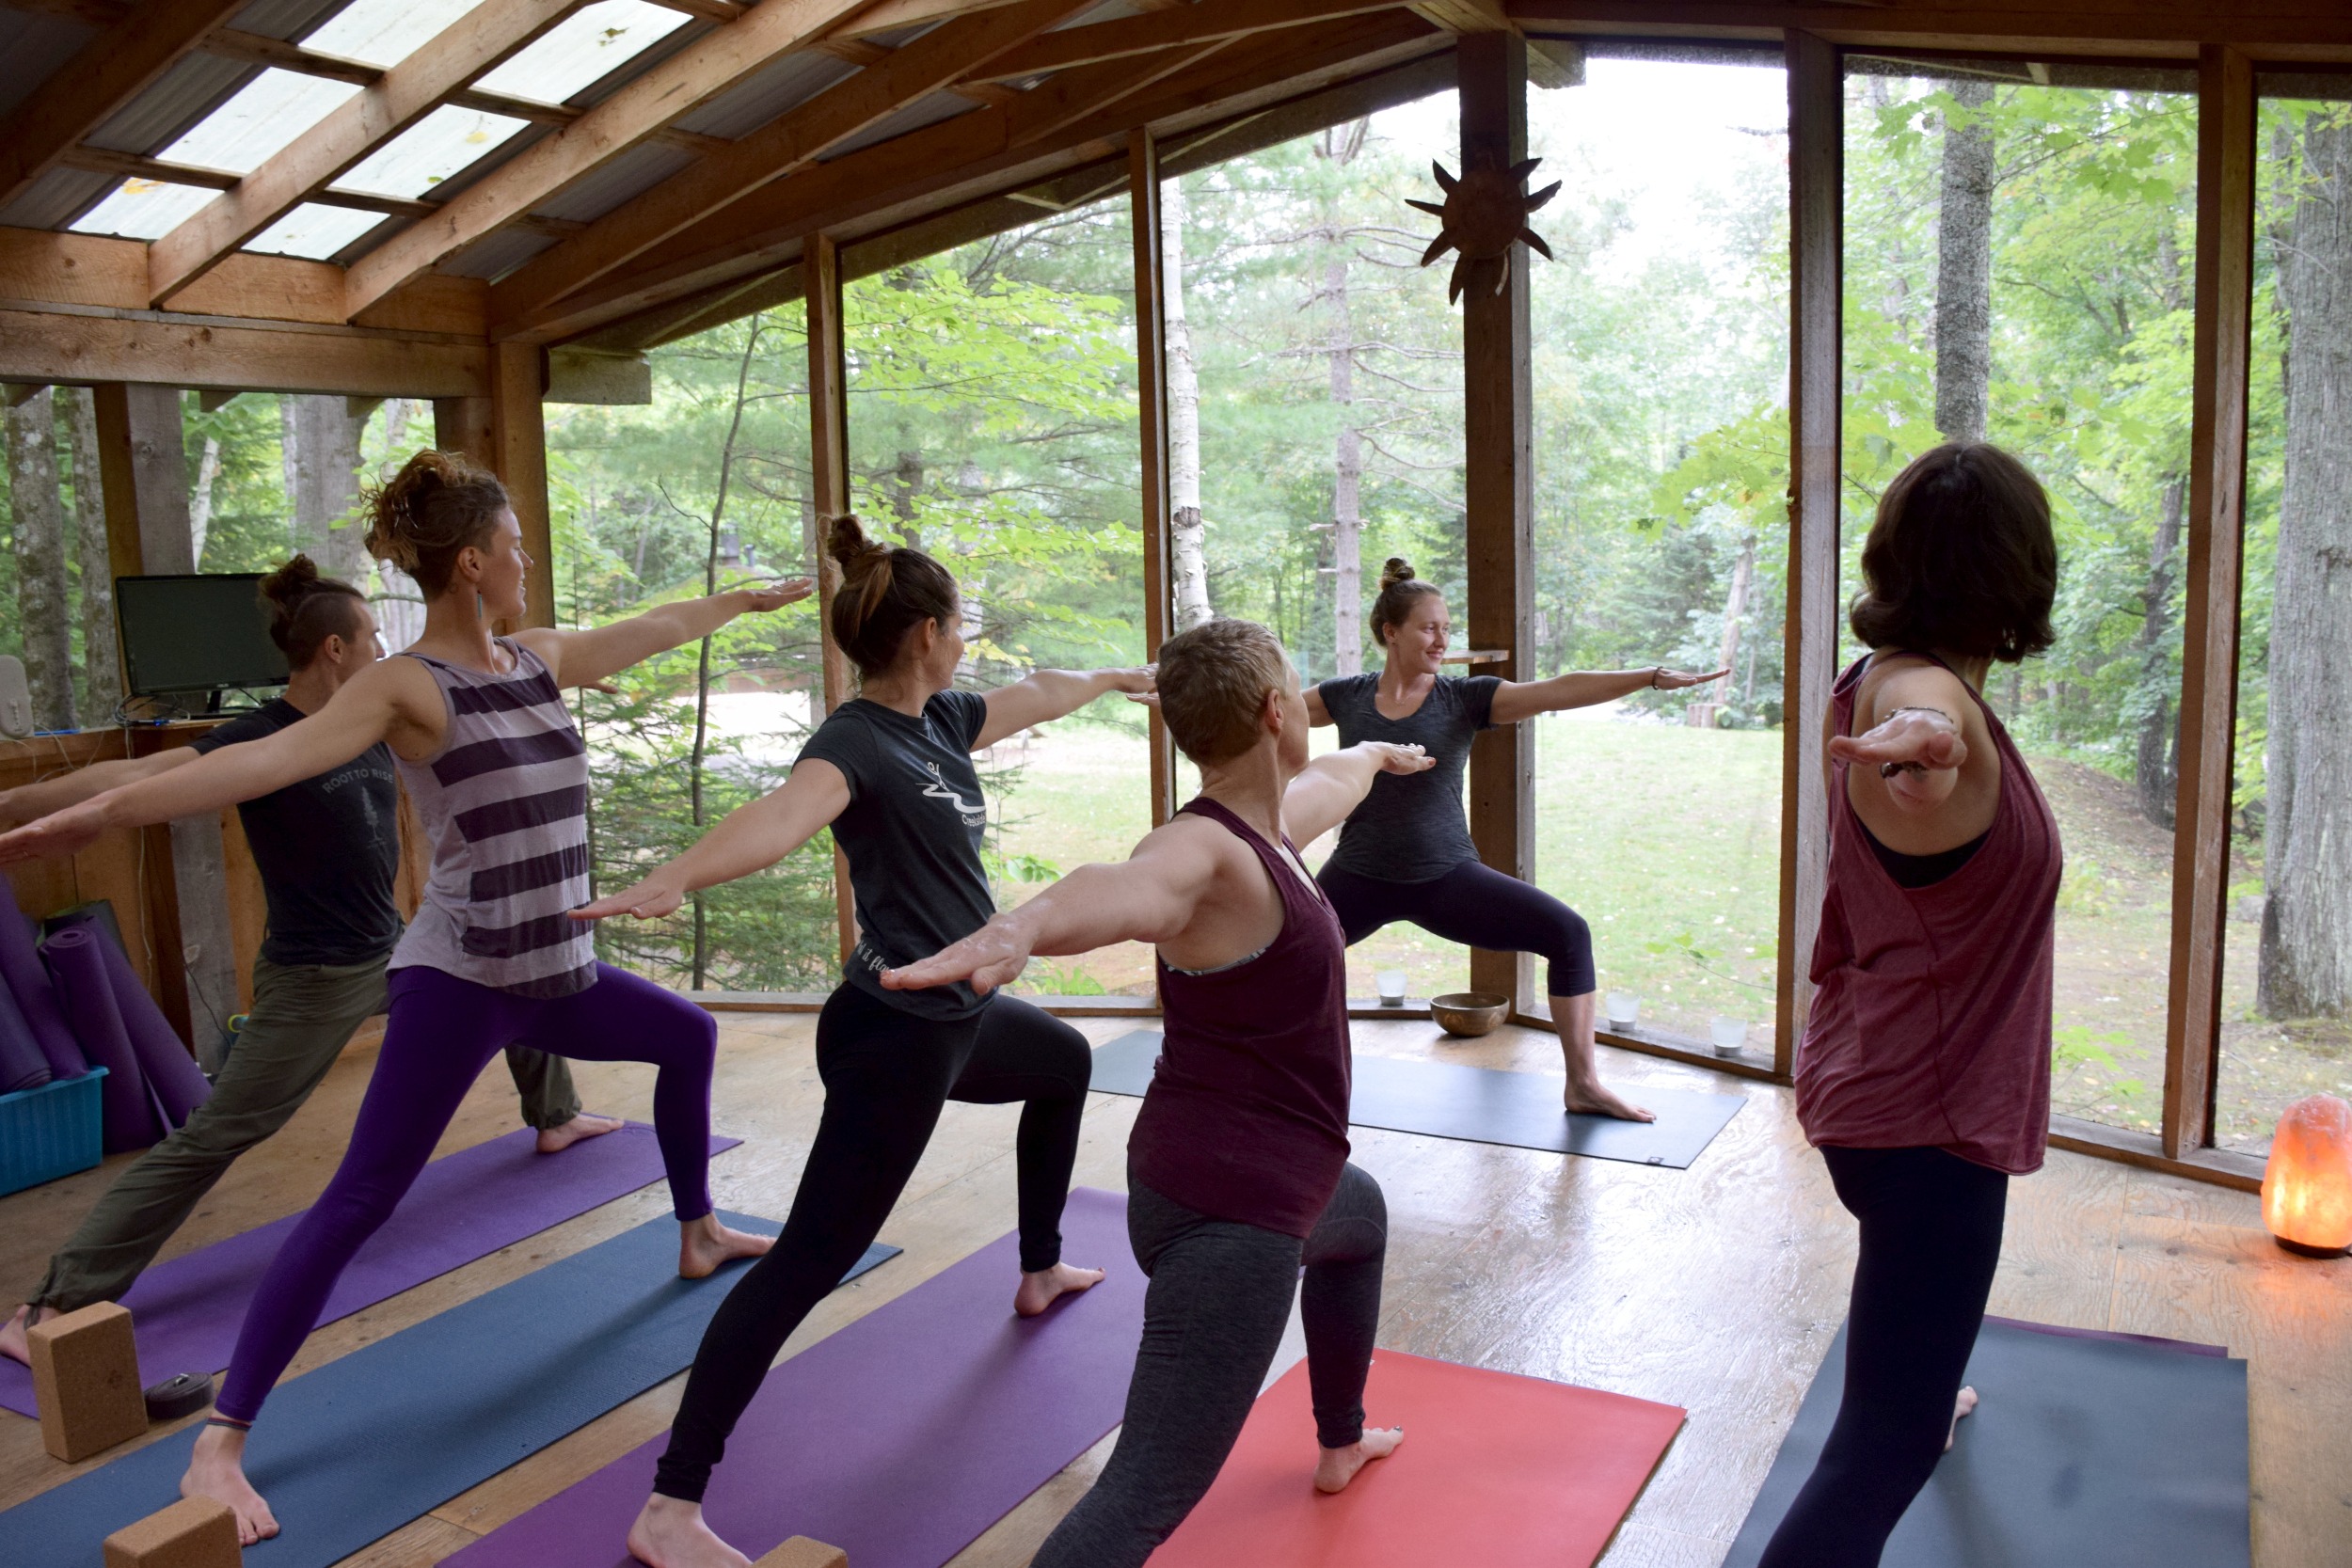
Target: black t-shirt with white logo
(913,832)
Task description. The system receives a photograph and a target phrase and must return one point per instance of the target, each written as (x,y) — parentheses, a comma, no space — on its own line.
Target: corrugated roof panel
(628,71)
(36,47)
(928,110)
(585,47)
(314,232)
(429,151)
(284,18)
(56,198)
(489,160)
(761,96)
(368,240)
(385,32)
(636,170)
(494,256)
(268,115)
(145,209)
(178,101)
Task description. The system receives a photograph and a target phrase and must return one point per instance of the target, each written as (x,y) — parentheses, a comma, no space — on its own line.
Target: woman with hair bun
(498,775)
(1405,853)
(890,771)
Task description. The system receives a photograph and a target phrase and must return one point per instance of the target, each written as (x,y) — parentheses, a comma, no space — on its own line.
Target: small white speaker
(16,698)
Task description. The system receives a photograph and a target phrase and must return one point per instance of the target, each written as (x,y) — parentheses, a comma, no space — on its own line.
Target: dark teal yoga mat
(351,1452)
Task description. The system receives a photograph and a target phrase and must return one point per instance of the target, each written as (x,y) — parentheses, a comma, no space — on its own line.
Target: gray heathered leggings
(1212,1318)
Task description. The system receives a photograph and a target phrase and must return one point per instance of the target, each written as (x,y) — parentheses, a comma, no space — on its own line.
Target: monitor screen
(196,634)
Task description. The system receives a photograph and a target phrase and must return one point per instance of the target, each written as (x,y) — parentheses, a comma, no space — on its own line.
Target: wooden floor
(1716,1289)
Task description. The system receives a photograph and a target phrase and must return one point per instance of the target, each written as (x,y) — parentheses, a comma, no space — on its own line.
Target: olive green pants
(303,1016)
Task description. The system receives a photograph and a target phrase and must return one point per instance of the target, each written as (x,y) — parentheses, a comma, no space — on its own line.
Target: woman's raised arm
(1049,695)
(750,838)
(1336,782)
(1517,699)
(585,656)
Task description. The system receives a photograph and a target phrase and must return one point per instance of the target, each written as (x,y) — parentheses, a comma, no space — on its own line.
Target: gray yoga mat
(2085,1451)
(1449,1100)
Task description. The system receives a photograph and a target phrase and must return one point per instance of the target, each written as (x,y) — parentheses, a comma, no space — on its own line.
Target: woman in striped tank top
(499,777)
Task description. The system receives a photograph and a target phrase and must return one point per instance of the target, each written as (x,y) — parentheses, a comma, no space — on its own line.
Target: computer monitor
(196,633)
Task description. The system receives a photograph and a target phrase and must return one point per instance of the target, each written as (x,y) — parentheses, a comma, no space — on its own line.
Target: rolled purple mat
(77,960)
(28,982)
(179,1084)
(23,1064)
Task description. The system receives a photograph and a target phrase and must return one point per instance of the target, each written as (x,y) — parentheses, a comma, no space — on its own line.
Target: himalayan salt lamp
(2307,1187)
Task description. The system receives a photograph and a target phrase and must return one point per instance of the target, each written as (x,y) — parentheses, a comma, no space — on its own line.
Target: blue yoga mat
(351,1452)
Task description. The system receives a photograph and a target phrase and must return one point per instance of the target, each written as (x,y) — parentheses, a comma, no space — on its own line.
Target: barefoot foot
(703,1244)
(1336,1467)
(670,1533)
(554,1140)
(14,1344)
(1040,1290)
(217,1470)
(1595,1099)
(1961,1406)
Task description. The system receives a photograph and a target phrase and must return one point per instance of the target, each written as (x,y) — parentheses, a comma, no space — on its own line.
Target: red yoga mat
(1496,1470)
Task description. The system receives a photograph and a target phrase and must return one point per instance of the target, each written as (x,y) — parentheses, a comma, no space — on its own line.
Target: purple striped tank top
(504,804)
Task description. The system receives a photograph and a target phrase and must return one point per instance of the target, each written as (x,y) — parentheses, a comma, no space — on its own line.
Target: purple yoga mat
(29,983)
(77,959)
(468,1205)
(22,1063)
(2187,1347)
(901,1437)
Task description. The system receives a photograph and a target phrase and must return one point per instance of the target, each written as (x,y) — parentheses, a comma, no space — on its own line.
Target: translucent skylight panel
(144,209)
(268,115)
(314,232)
(429,151)
(384,32)
(583,48)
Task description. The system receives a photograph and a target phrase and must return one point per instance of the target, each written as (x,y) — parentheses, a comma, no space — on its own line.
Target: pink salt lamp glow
(2307,1187)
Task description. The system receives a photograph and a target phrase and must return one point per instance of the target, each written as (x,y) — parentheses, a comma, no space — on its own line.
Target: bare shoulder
(548,643)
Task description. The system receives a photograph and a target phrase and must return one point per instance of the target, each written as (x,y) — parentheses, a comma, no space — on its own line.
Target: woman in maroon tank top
(1924,1073)
(1237,1168)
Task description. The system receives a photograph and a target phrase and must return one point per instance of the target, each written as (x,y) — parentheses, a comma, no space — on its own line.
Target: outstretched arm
(751,838)
(1050,694)
(1335,784)
(1918,744)
(1517,699)
(31,803)
(586,657)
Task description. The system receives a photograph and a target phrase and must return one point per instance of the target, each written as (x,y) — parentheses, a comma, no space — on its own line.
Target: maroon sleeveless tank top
(1930,1022)
(1247,1115)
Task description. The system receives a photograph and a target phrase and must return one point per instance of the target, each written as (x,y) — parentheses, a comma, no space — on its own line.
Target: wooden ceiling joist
(103,75)
(406,93)
(643,108)
(2171,29)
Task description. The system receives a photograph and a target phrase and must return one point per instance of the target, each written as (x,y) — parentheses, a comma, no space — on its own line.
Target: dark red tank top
(1930,1022)
(1247,1115)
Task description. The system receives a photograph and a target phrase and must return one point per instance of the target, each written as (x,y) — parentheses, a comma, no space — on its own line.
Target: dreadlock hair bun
(886,591)
(439,503)
(306,609)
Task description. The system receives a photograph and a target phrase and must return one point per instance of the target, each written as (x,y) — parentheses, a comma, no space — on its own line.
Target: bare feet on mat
(671,1534)
(1961,1406)
(217,1470)
(554,1140)
(14,1344)
(1043,1288)
(703,1244)
(1596,1100)
(1336,1467)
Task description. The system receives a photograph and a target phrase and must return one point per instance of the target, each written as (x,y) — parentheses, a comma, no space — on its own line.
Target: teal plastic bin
(50,1131)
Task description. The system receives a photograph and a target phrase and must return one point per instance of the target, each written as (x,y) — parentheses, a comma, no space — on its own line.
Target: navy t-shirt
(327,849)
(911,832)
(1411,826)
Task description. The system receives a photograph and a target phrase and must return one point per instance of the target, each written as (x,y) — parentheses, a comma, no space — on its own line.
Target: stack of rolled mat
(152,1081)
(34,1002)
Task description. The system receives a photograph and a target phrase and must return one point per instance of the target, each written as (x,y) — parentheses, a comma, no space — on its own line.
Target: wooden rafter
(408,93)
(1141,35)
(641,108)
(2155,28)
(104,74)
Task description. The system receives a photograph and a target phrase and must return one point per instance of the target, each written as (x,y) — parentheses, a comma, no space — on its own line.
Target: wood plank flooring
(1716,1289)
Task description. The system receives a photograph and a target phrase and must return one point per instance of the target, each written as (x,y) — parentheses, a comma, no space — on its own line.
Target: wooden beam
(2209,622)
(89,347)
(1066,47)
(721,11)
(1151,264)
(129,166)
(1464,17)
(829,493)
(1816,107)
(2156,28)
(230,43)
(518,451)
(104,74)
(409,91)
(641,108)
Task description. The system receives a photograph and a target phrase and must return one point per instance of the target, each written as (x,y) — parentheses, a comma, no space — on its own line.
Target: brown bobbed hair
(305,610)
(1961,559)
(438,504)
(1212,682)
(886,591)
(1400,591)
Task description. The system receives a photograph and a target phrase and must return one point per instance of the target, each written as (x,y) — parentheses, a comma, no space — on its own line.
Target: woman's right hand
(62,832)
(650,899)
(1394,758)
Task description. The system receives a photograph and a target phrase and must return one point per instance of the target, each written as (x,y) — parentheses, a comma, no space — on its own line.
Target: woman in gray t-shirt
(1405,853)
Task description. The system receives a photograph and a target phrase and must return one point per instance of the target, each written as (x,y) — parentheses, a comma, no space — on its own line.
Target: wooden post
(463,425)
(1143,199)
(2209,625)
(829,487)
(519,452)
(1815,238)
(1499,492)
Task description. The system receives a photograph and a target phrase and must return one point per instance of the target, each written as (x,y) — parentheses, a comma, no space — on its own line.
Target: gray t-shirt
(911,832)
(1411,826)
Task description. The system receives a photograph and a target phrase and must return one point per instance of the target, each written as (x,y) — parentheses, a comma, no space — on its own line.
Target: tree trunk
(40,581)
(102,662)
(1347,471)
(1187,535)
(1735,605)
(1963,268)
(2156,773)
(905,483)
(2306,968)
(200,503)
(322,452)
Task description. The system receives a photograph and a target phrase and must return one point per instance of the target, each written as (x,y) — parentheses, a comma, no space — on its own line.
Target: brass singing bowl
(1469,1013)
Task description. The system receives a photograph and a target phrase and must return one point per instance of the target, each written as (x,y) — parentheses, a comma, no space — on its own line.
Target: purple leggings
(442,1033)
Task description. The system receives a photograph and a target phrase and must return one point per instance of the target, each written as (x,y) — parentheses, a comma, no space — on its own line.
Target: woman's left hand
(768,596)
(991,957)
(1139,683)
(1663,679)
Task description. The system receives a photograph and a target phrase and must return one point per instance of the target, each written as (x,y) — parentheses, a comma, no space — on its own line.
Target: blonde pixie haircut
(1213,680)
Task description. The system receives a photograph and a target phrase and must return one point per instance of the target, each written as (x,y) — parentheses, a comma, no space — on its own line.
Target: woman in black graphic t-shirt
(890,771)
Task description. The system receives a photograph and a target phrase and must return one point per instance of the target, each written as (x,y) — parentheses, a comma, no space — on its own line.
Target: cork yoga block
(86,1381)
(799,1552)
(196,1533)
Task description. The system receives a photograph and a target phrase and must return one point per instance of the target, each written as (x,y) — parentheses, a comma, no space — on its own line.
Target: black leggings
(1477,906)
(886,1075)
(1930,1240)
(1212,1318)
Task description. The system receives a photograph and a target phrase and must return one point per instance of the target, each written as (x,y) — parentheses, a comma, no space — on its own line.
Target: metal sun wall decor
(1484,212)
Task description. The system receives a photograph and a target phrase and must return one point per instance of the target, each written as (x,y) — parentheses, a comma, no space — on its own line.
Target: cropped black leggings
(886,1075)
(1930,1241)
(1477,906)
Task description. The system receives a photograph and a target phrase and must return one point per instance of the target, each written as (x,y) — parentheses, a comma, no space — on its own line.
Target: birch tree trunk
(200,503)
(1735,605)
(1963,268)
(2306,967)
(2157,771)
(1187,535)
(38,528)
(1347,472)
(101,661)
(322,451)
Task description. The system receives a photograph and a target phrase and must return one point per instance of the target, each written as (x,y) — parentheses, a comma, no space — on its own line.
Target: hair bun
(846,541)
(291,583)
(1397,570)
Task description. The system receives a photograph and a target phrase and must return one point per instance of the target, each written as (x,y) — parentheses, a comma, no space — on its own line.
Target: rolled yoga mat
(901,1437)
(2085,1450)
(29,983)
(179,1084)
(1476,1105)
(22,1063)
(1495,1470)
(464,1206)
(133,1117)
(351,1452)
